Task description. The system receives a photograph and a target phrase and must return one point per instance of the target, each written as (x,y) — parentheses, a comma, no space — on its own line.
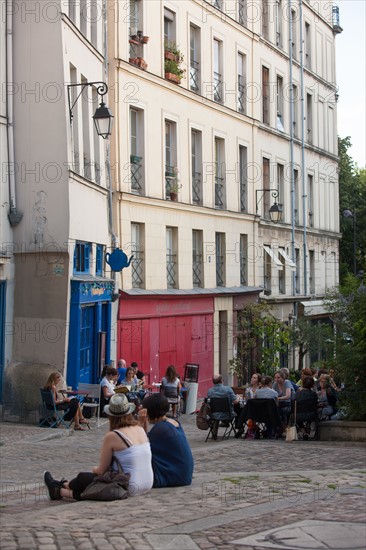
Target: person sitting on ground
(219,390)
(127,441)
(69,404)
(309,399)
(170,387)
(327,398)
(172,459)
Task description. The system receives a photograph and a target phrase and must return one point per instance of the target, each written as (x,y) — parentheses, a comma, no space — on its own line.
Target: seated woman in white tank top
(127,441)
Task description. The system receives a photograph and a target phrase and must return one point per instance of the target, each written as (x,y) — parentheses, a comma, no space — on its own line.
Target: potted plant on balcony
(172,67)
(170,50)
(174,185)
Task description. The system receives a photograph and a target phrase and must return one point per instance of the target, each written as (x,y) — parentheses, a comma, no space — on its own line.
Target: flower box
(173,78)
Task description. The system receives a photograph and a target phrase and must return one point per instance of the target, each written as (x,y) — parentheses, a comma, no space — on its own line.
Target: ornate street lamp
(275,212)
(103,118)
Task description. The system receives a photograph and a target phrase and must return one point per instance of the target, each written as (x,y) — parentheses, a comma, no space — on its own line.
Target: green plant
(173,67)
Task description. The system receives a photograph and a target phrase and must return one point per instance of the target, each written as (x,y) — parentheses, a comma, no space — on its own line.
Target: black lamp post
(103,118)
(349,214)
(275,212)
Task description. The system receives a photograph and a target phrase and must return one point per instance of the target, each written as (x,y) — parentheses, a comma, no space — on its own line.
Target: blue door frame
(90,313)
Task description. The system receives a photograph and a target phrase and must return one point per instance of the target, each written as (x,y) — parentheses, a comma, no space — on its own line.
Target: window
(196,161)
(265,185)
(267,274)
(96,142)
(81,257)
(279,23)
(220,259)
(311,200)
(99,259)
(265,95)
(135,18)
(294,34)
(279,100)
(195,56)
(243,178)
(281,185)
(241,103)
(85,102)
(282,276)
(242,12)
(217,75)
(197,258)
(243,260)
(137,263)
(309,118)
(219,173)
(169,26)
(136,151)
(265,19)
(171,257)
(307,46)
(170,157)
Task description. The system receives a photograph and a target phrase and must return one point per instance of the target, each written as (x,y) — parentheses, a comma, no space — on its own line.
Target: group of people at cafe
(150,445)
(318,387)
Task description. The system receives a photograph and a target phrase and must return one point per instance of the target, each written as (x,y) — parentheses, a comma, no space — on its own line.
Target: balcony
(220,262)
(136,174)
(137,272)
(197,188)
(241,99)
(217,88)
(197,270)
(171,270)
(219,192)
(194,76)
(337,29)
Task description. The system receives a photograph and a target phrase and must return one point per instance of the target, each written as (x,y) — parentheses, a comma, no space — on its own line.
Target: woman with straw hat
(127,441)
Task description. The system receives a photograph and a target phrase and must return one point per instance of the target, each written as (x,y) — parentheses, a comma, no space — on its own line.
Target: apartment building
(224,109)
(62,298)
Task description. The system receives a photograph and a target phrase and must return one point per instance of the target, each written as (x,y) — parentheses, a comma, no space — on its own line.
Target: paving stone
(258,482)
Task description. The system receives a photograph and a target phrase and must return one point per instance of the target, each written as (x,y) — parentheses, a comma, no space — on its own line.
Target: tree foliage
(261,339)
(347,307)
(352,196)
(313,338)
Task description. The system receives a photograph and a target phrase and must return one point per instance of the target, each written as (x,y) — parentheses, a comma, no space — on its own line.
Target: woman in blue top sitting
(172,459)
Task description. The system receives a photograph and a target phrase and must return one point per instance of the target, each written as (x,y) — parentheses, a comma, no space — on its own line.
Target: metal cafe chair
(91,393)
(223,406)
(52,417)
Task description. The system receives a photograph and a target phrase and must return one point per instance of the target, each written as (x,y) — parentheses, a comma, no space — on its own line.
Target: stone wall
(342,430)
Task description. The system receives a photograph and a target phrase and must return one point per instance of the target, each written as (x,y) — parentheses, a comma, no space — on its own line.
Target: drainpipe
(14,216)
(293,255)
(108,151)
(303,167)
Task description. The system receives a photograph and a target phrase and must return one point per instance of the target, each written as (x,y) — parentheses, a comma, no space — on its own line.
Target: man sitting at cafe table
(219,390)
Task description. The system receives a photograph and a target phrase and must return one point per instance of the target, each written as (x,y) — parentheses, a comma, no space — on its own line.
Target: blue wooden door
(87,344)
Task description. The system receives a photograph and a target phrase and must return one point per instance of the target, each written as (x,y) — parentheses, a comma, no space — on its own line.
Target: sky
(351,76)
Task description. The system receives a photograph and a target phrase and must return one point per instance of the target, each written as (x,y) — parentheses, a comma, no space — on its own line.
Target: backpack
(203,416)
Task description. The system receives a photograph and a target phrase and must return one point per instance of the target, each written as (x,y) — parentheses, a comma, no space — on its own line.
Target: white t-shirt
(108,384)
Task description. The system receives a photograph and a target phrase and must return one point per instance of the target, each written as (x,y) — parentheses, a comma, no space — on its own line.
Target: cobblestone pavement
(241,489)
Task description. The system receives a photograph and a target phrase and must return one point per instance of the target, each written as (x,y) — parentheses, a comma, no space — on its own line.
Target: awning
(275,260)
(287,259)
(314,308)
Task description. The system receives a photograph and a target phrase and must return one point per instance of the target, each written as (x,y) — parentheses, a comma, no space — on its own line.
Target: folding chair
(91,399)
(221,413)
(51,416)
(306,413)
(172,393)
(262,411)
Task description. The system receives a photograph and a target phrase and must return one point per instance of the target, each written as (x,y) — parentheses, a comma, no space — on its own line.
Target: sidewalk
(245,495)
